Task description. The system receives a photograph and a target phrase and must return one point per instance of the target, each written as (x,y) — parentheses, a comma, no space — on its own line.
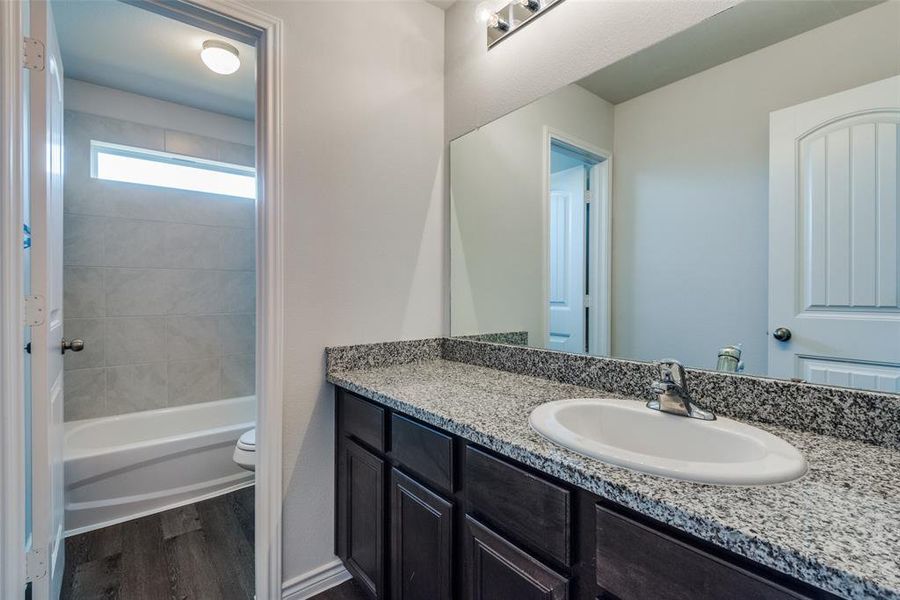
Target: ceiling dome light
(220,57)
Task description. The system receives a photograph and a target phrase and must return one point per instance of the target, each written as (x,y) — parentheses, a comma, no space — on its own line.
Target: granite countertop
(837,528)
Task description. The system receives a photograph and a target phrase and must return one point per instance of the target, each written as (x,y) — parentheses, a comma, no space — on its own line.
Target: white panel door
(46,197)
(567,248)
(833,238)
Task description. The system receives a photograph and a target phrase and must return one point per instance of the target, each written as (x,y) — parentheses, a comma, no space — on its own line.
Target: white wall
(690,208)
(363,221)
(108,102)
(496,232)
(569,42)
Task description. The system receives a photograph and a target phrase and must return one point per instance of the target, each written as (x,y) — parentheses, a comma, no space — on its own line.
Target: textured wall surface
(567,43)
(363,221)
(692,158)
(497,211)
(159,283)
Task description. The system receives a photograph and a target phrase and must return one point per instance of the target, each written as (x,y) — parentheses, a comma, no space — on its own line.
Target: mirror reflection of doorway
(578,242)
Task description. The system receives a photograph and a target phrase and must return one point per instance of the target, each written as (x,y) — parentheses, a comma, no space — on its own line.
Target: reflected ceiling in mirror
(728,197)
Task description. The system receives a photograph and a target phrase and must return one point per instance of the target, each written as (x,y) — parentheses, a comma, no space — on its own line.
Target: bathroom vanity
(444,491)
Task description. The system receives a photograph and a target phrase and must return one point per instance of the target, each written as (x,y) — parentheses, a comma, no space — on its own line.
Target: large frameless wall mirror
(728,197)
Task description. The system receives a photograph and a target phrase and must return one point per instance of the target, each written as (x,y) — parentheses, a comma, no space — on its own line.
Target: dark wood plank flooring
(202,551)
(349,590)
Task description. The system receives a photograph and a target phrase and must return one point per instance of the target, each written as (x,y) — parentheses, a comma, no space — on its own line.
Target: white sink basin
(628,434)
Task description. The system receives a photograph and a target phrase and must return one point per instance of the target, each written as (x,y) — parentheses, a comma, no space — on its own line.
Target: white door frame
(12,419)
(600,228)
(226,17)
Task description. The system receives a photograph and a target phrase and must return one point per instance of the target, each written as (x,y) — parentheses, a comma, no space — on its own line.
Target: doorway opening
(141,198)
(578,243)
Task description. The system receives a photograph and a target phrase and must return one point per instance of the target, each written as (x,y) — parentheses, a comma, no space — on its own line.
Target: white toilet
(245,450)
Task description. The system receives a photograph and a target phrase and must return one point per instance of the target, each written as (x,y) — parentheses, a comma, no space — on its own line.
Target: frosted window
(162,169)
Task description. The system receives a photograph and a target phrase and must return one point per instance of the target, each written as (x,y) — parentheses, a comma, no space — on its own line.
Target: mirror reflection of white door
(834,259)
(46,198)
(567,252)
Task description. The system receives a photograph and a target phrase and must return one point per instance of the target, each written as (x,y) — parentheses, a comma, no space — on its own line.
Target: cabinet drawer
(527,508)
(497,570)
(362,419)
(635,562)
(427,452)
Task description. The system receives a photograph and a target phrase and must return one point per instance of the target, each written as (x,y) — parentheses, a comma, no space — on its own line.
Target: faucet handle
(672,371)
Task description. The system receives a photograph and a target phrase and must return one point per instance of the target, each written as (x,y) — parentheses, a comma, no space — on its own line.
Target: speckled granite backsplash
(850,414)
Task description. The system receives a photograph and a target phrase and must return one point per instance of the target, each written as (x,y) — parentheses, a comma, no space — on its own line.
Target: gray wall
(159,283)
(497,209)
(569,42)
(691,179)
(363,219)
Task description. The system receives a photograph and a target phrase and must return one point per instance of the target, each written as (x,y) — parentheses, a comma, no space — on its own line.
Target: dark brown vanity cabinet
(421,541)
(497,569)
(425,515)
(361,515)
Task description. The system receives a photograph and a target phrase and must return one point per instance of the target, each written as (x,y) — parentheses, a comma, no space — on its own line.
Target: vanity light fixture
(485,14)
(517,13)
(531,5)
(220,57)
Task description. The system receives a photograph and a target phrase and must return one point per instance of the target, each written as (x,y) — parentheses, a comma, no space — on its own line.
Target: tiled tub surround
(835,528)
(160,283)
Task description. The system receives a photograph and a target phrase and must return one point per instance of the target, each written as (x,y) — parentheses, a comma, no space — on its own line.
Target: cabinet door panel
(421,542)
(497,570)
(363,516)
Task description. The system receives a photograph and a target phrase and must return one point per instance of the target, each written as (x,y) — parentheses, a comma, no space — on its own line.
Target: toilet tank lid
(248,440)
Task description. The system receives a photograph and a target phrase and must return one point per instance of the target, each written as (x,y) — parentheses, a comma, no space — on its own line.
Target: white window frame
(168,158)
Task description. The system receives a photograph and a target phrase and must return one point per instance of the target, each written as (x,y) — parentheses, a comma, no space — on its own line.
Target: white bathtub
(123,467)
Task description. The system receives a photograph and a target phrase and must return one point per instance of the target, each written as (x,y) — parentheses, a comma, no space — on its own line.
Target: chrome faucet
(672,395)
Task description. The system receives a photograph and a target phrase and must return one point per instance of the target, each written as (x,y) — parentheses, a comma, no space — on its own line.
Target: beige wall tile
(133,388)
(83,240)
(238,249)
(137,292)
(238,154)
(194,381)
(238,289)
(238,375)
(135,340)
(85,394)
(93,333)
(189,246)
(133,243)
(196,292)
(179,142)
(192,337)
(83,294)
(151,284)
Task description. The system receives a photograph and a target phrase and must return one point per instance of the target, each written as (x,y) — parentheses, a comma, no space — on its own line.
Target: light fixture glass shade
(220,57)
(485,12)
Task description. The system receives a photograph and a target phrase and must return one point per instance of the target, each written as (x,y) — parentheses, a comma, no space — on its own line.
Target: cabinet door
(361,516)
(497,570)
(421,541)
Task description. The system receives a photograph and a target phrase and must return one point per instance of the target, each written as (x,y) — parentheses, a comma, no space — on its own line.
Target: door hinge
(587,301)
(34,310)
(587,197)
(35,565)
(34,54)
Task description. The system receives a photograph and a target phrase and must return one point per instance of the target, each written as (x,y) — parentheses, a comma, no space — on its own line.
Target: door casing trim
(220,16)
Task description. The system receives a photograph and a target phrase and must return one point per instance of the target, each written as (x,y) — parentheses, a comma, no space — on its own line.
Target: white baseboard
(316,581)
